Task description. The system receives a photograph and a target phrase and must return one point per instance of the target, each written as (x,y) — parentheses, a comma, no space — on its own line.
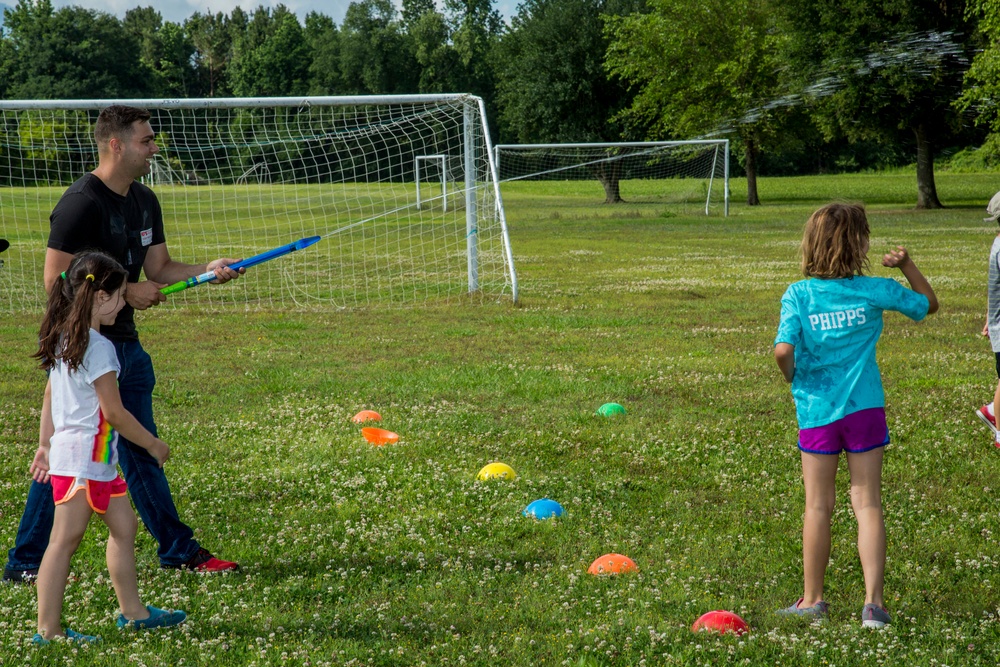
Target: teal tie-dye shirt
(834,325)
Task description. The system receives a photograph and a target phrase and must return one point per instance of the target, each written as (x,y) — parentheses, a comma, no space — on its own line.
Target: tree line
(800,86)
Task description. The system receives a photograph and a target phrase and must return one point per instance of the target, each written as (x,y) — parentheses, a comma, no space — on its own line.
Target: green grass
(398,556)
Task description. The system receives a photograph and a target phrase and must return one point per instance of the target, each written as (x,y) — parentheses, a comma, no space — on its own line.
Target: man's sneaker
(874,616)
(20,576)
(203,561)
(986,414)
(158,618)
(75,637)
(820,610)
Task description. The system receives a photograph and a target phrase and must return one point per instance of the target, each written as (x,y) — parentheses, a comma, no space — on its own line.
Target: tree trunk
(751,169)
(926,190)
(609,174)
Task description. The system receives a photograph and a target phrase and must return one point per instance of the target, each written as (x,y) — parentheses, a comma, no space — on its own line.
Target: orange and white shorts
(99,494)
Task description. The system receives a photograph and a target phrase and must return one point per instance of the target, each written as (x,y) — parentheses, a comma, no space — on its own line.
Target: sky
(178,10)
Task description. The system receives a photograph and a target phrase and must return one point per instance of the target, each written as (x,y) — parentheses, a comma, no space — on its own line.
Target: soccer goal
(681,174)
(236,177)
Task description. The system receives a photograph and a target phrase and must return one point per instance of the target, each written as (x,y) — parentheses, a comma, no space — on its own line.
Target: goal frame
(475,130)
(723,143)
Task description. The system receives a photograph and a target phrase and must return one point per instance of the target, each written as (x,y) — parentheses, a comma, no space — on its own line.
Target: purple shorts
(857,432)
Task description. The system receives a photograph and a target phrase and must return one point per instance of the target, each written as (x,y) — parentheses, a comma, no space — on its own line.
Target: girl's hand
(159,450)
(40,465)
(896,258)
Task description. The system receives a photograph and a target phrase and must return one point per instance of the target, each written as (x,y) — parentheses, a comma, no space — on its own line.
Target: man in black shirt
(108,210)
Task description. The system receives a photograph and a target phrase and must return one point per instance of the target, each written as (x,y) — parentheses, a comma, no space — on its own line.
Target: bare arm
(40,464)
(56,261)
(123,421)
(900,259)
(784,354)
(160,267)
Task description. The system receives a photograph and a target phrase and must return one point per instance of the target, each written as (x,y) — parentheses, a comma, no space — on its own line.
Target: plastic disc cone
(543,508)
(366,416)
(720,621)
(379,436)
(496,471)
(610,410)
(612,564)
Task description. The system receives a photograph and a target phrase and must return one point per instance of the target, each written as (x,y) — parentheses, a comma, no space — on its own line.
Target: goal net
(683,175)
(237,177)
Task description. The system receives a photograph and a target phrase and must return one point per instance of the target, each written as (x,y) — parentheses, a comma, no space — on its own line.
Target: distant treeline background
(800,86)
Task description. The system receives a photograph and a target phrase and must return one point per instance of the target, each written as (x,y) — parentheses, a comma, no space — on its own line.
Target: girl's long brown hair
(65,331)
(835,242)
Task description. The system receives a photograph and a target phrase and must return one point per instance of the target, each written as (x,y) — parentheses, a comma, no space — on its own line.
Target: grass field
(397,556)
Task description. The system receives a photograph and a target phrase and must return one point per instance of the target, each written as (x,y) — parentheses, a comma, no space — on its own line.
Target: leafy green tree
(704,68)
(439,62)
(212,36)
(475,28)
(175,66)
(892,71)
(70,53)
(982,81)
(414,10)
(270,57)
(165,49)
(8,63)
(373,57)
(551,82)
(323,42)
(144,23)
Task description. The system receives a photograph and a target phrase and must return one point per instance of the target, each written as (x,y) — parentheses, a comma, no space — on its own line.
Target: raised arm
(900,259)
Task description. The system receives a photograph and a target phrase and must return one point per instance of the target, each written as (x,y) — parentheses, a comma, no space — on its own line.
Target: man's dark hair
(116,121)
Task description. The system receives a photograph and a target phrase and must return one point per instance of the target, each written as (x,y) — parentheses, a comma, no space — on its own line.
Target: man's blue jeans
(146,482)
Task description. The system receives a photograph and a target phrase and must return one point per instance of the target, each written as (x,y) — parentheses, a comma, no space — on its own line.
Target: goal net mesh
(238,177)
(686,176)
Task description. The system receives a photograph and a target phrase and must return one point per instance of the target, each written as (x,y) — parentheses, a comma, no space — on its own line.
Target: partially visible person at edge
(109,211)
(991,328)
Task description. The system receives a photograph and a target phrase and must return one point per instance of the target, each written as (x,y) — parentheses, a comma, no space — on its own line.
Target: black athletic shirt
(90,216)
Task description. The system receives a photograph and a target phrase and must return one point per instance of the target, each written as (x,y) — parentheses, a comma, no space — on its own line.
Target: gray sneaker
(820,610)
(874,616)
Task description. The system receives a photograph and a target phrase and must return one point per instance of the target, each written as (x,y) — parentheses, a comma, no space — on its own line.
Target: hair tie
(63,275)
(90,277)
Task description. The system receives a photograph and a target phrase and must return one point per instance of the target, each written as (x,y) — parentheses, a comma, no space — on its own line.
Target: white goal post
(236,177)
(658,172)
